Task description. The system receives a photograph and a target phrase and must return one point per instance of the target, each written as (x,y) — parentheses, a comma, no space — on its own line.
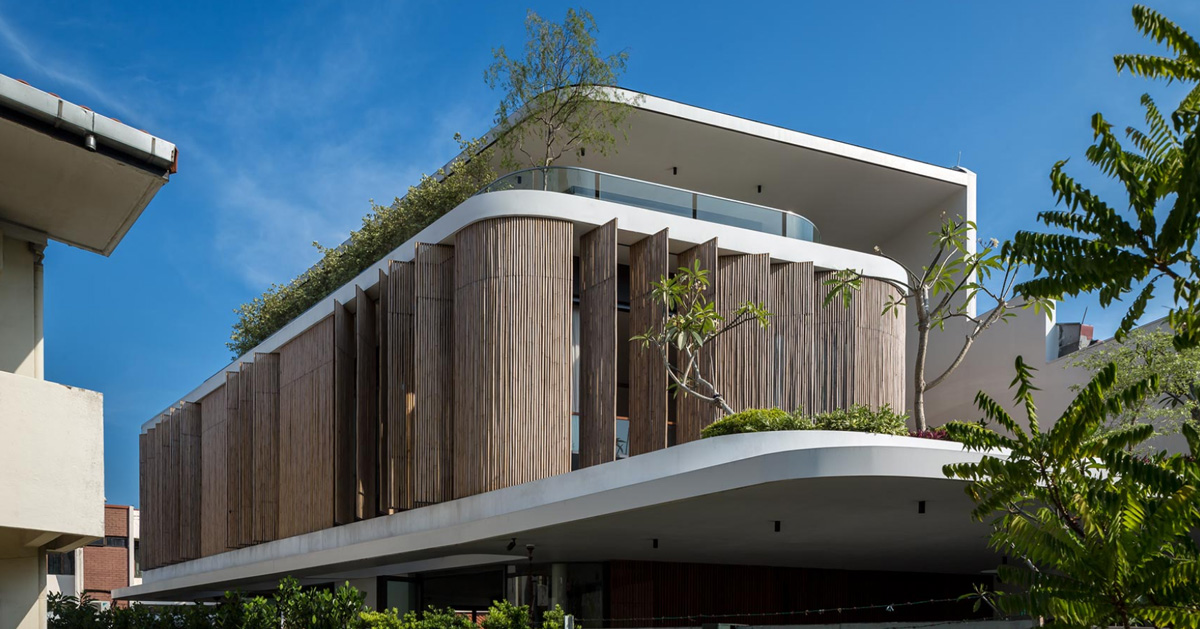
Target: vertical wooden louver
(345,468)
(792,321)
(649,260)
(598,345)
(859,352)
(245,450)
(266,447)
(743,372)
(170,457)
(214,482)
(144,496)
(433,435)
(692,413)
(190,468)
(383,474)
(399,354)
(233,397)
(367,406)
(306,435)
(512,352)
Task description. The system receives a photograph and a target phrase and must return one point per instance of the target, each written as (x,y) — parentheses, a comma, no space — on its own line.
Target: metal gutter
(93,129)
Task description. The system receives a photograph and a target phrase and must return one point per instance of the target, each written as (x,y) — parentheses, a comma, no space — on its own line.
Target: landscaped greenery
(291,607)
(857,418)
(1098,536)
(383,230)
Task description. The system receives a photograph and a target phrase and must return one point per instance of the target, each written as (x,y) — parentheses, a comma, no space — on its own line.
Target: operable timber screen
(452,376)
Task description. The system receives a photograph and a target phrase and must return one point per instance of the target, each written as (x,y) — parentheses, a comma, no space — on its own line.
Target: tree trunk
(919,376)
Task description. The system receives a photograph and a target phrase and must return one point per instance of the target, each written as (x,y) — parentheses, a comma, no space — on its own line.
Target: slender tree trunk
(919,376)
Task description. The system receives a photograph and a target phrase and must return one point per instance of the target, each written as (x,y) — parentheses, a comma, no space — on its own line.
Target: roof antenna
(959,164)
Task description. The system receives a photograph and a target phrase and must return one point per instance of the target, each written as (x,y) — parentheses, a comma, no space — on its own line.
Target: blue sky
(289,118)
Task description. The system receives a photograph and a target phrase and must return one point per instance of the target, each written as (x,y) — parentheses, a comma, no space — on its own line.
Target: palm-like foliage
(1101,536)
(1115,253)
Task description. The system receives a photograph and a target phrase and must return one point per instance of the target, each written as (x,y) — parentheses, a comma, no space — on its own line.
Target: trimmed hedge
(857,418)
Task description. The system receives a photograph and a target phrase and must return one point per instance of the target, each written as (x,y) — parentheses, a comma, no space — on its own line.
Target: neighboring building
(70,175)
(103,565)
(446,428)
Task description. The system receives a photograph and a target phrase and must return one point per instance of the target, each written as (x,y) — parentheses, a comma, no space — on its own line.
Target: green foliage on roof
(383,230)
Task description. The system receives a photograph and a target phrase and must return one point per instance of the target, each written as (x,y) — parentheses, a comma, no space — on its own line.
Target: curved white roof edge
(582,211)
(61,114)
(680,472)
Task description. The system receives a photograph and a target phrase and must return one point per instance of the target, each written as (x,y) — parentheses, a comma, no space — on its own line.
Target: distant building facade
(103,565)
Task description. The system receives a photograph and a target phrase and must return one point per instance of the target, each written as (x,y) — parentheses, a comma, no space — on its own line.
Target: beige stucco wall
(53,457)
(18,308)
(22,584)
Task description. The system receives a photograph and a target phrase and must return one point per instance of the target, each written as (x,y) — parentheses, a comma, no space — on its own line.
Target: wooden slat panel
(598,345)
(150,506)
(742,369)
(233,445)
(692,413)
(512,352)
(383,471)
(366,503)
(245,450)
(190,468)
(433,436)
(649,260)
(859,352)
(214,483)
(306,431)
(143,494)
(266,447)
(344,466)
(792,294)
(171,456)
(401,405)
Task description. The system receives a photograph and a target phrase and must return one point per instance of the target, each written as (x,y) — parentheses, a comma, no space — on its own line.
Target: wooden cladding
(397,302)
(859,352)
(692,413)
(649,261)
(264,385)
(743,366)
(792,295)
(598,345)
(512,352)
(455,378)
(433,382)
(306,431)
(366,379)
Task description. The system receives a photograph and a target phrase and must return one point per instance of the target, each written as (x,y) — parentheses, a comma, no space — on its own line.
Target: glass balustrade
(659,198)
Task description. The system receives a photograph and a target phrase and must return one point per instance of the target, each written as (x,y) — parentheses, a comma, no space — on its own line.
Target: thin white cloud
(46,68)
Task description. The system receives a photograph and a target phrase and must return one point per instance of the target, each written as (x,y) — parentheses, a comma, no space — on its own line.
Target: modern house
(106,564)
(74,176)
(468,420)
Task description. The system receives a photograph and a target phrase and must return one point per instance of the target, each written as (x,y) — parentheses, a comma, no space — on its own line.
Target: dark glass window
(60,563)
(116,542)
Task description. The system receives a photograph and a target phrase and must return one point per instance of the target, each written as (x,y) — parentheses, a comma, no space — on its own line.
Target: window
(116,542)
(137,558)
(60,563)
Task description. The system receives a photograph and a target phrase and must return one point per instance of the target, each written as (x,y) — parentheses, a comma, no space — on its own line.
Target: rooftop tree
(557,96)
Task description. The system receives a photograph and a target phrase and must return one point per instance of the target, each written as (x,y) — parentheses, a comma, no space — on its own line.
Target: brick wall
(107,568)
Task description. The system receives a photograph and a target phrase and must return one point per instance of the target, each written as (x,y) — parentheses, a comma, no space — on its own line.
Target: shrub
(383,229)
(505,615)
(857,418)
(756,420)
(860,418)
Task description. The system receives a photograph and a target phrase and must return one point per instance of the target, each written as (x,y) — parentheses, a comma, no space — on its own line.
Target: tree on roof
(558,96)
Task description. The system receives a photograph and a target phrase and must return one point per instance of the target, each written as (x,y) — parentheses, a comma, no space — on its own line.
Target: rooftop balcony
(659,198)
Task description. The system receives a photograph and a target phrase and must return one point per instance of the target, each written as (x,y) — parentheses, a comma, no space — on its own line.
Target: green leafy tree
(318,608)
(941,291)
(691,322)
(382,231)
(505,615)
(1101,537)
(558,96)
(1115,253)
(1145,353)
